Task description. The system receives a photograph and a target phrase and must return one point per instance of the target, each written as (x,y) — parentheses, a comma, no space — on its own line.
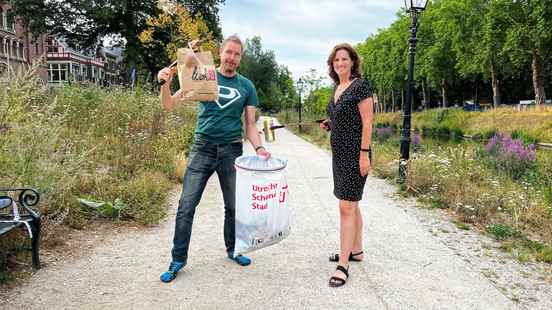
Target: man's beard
(229,69)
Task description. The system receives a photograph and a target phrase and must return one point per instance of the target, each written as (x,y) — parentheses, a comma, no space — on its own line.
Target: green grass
(532,125)
(501,231)
(461,225)
(451,176)
(525,250)
(81,141)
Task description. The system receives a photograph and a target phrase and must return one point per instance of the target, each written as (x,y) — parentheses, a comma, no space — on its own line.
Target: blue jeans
(204,159)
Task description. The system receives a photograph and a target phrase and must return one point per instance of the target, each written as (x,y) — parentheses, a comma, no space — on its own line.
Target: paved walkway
(405,266)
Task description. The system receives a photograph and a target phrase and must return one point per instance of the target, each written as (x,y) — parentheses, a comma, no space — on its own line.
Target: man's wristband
(259,147)
(366,150)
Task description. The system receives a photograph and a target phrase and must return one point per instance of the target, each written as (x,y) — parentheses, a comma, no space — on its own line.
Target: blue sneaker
(240,259)
(170,274)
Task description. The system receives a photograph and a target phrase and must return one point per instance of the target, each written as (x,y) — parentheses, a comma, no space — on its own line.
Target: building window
(57,73)
(10,22)
(52,46)
(2,19)
(21,51)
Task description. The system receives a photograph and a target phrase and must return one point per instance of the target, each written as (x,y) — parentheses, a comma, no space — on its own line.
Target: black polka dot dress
(345,138)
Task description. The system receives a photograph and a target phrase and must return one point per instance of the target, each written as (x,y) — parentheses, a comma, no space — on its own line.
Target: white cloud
(302,32)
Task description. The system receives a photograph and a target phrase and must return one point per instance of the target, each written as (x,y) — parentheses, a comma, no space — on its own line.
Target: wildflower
(511,155)
(416,139)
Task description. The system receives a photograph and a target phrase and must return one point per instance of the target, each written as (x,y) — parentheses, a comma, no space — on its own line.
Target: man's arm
(168,101)
(252,133)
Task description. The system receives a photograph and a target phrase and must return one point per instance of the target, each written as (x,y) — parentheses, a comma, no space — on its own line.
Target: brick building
(18,49)
(58,62)
(66,64)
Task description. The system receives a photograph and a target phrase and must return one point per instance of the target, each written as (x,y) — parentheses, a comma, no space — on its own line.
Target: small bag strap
(195,56)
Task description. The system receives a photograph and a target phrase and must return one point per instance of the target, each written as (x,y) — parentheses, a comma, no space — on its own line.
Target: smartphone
(320,121)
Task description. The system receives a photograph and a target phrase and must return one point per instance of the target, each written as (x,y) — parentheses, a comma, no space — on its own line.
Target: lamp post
(415,7)
(300,85)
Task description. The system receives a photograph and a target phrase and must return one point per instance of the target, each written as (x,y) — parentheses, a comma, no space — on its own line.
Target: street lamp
(300,85)
(415,7)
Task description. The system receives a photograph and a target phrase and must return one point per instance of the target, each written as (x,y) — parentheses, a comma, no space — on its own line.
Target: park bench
(17,213)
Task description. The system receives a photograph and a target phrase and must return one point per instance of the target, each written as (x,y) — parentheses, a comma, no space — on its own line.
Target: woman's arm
(366,109)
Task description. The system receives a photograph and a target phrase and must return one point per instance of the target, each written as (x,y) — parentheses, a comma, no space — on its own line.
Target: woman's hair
(355,69)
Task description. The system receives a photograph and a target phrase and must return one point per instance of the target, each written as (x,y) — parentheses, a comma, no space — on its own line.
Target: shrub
(383,133)
(520,134)
(84,141)
(511,155)
(501,231)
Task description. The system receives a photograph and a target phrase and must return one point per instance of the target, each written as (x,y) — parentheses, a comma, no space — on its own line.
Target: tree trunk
(384,102)
(540,96)
(444,93)
(387,102)
(476,100)
(424,95)
(393,99)
(376,103)
(496,88)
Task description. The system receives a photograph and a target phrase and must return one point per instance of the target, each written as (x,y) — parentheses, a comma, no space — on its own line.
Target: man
(217,143)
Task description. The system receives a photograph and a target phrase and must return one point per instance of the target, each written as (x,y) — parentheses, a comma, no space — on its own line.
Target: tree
(207,10)
(528,39)
(319,100)
(171,30)
(84,23)
(274,84)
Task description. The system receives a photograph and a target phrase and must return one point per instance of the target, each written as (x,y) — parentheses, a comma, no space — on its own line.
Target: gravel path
(409,263)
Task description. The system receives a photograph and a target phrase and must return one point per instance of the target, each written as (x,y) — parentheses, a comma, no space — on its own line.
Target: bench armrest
(28,197)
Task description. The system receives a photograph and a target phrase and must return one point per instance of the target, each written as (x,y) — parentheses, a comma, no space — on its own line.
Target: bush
(520,134)
(511,155)
(489,133)
(383,133)
(501,231)
(145,197)
(84,141)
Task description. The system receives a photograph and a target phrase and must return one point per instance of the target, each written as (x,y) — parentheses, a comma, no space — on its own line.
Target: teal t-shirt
(220,121)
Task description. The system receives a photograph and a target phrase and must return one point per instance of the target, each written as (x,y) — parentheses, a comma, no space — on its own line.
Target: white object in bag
(262,211)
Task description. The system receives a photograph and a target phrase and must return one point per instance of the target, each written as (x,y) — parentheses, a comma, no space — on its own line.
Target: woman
(350,112)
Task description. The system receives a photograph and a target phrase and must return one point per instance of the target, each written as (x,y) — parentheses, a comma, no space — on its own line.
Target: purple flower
(384,133)
(511,155)
(416,139)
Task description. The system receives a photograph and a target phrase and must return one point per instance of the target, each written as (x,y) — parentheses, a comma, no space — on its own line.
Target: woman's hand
(364,163)
(325,125)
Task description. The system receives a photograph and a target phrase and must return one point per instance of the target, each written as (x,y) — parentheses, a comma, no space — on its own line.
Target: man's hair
(233,38)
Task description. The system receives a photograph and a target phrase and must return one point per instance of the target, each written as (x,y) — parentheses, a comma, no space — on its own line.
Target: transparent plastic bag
(263,215)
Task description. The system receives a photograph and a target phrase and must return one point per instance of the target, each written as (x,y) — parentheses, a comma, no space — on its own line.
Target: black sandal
(335,257)
(337,281)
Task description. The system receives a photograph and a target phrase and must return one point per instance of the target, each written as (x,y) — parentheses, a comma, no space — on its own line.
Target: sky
(302,32)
